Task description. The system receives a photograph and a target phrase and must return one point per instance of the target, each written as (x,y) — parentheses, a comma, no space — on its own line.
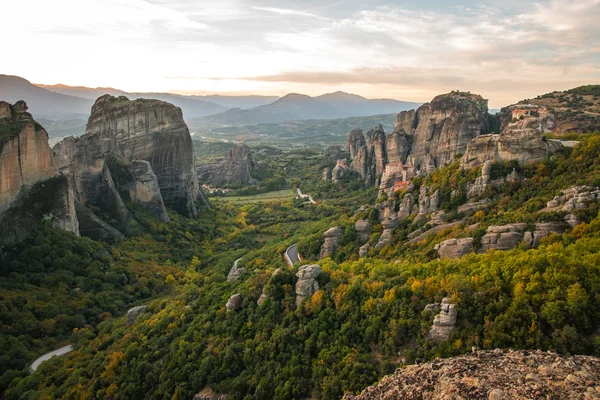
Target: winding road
(291,255)
(58,352)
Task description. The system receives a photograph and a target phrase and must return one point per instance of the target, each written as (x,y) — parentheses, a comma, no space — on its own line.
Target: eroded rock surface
(234,303)
(235,169)
(133,313)
(363,228)
(143,130)
(455,248)
(332,240)
(443,323)
(307,284)
(389,226)
(496,374)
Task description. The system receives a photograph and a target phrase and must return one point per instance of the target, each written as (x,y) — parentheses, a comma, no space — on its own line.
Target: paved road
(291,255)
(58,352)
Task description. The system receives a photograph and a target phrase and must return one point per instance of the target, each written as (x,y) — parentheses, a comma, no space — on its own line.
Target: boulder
(364,250)
(133,313)
(340,169)
(504,237)
(307,285)
(363,228)
(234,303)
(332,239)
(455,248)
(443,323)
(389,226)
(235,272)
(327,174)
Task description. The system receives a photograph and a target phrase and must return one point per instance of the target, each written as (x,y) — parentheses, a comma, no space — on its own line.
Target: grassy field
(285,194)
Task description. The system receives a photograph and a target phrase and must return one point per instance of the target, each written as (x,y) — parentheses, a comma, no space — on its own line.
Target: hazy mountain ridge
(297,107)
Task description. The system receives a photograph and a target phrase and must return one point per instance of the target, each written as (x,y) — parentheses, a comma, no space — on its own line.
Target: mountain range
(67,107)
(299,107)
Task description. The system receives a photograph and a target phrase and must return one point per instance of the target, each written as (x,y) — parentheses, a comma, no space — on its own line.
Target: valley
(449,231)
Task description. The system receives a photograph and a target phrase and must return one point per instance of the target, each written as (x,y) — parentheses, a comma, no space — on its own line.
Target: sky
(408,50)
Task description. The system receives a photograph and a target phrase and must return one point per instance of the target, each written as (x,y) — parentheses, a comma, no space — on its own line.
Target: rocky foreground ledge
(493,375)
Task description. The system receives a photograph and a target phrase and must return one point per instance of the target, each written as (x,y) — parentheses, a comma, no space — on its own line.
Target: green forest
(366,319)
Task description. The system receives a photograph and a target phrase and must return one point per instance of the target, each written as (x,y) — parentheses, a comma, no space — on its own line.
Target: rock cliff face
(235,169)
(445,126)
(425,139)
(25,156)
(492,375)
(31,189)
(150,149)
(522,145)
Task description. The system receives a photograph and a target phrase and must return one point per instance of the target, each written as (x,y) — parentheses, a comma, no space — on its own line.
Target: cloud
(287,11)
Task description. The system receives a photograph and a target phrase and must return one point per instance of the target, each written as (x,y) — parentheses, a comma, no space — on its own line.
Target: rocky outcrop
(521,145)
(492,375)
(31,189)
(133,313)
(326,174)
(333,153)
(332,240)
(574,198)
(389,226)
(503,237)
(92,226)
(339,171)
(364,250)
(235,272)
(407,207)
(236,169)
(398,146)
(542,229)
(208,394)
(427,204)
(368,155)
(445,126)
(133,132)
(25,156)
(307,284)
(455,248)
(50,200)
(443,323)
(137,179)
(363,228)
(234,303)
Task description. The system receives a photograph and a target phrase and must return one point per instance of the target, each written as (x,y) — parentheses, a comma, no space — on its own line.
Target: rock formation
(522,145)
(340,169)
(398,146)
(307,285)
(31,189)
(333,153)
(574,198)
(140,146)
(542,229)
(332,240)
(92,226)
(133,313)
(445,126)
(443,323)
(368,155)
(504,237)
(492,375)
(234,303)
(363,228)
(235,272)
(364,250)
(407,207)
(427,204)
(389,226)
(327,174)
(455,248)
(236,169)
